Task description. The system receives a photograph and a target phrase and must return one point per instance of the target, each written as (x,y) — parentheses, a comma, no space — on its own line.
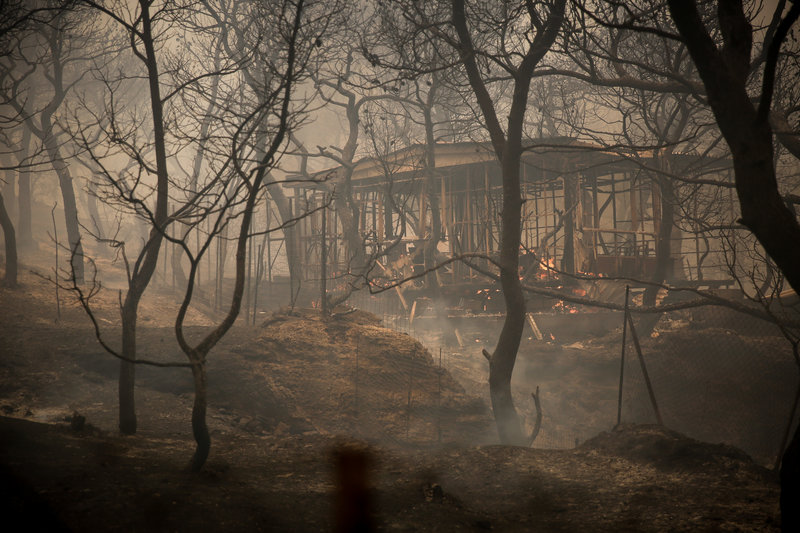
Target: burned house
(586,210)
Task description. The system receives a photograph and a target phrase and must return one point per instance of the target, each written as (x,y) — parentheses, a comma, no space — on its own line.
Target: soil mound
(347,374)
(668,450)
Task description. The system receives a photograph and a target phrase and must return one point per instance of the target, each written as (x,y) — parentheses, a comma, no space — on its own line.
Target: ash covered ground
(286,393)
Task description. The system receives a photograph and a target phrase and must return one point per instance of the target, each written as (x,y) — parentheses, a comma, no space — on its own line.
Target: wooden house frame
(586,209)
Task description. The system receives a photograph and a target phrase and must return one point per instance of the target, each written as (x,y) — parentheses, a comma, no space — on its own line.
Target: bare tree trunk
(199,408)
(508,148)
(197,355)
(25,233)
(571,195)
(91,205)
(664,263)
(143,272)
(127,370)
(431,192)
(70,205)
(7,189)
(388,219)
(10,278)
(501,365)
(346,206)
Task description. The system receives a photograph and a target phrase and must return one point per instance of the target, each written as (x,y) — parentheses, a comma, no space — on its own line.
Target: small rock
(433,492)
(77,421)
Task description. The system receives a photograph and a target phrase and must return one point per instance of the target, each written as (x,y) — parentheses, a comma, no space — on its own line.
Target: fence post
(323,289)
(439,401)
(358,339)
(622,357)
(408,406)
(635,338)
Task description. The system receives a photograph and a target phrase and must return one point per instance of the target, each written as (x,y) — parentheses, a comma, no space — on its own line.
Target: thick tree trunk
(501,365)
(348,213)
(127,370)
(10,278)
(8,190)
(508,147)
(199,426)
(664,263)
(432,194)
(790,485)
(776,228)
(346,207)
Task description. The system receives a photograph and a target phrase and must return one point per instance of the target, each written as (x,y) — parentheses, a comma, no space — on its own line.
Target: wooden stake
(622,357)
(635,338)
(534,327)
(458,337)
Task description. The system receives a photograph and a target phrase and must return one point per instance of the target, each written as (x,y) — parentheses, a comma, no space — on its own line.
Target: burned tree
(9,235)
(542,25)
(744,120)
(275,115)
(143,41)
(49,62)
(501,43)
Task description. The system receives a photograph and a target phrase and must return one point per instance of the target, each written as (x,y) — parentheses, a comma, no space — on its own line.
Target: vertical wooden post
(269,248)
(408,406)
(467,239)
(323,290)
(439,400)
(570,207)
(487,247)
(380,234)
(622,357)
(595,222)
(166,248)
(355,400)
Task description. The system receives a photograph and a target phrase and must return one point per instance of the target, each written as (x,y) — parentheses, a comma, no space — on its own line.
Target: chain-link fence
(716,375)
(410,398)
(455,346)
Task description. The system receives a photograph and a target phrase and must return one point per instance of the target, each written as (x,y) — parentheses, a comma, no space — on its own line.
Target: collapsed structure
(586,210)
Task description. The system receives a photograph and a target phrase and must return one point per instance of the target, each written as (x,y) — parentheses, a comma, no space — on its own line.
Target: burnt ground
(283,396)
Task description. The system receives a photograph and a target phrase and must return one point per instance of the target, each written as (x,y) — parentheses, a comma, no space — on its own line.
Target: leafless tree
(49,62)
(500,43)
(143,39)
(724,65)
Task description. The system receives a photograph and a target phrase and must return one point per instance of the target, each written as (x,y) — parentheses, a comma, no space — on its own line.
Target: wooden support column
(571,194)
(422,212)
(380,217)
(467,239)
(487,245)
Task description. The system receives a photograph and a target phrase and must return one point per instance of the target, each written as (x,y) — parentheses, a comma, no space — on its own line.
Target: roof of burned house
(541,159)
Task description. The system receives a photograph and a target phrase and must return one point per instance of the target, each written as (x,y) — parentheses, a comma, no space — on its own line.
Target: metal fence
(714,374)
